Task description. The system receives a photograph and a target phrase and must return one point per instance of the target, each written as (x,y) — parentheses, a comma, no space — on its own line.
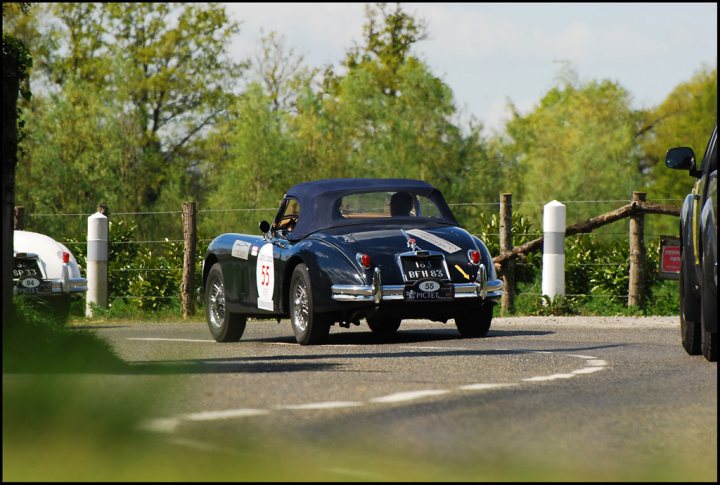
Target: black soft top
(318,198)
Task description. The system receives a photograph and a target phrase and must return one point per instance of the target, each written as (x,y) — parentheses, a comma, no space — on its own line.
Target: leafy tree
(576,145)
(281,71)
(154,74)
(685,118)
(389,37)
(80,141)
(387,115)
(256,167)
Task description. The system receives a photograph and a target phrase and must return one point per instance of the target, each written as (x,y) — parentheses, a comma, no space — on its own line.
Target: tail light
(364,260)
(66,257)
(474,256)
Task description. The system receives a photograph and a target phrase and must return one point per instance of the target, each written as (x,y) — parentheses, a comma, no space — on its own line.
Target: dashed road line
(483,387)
(226,414)
(169,425)
(157,339)
(409,395)
(551,377)
(321,405)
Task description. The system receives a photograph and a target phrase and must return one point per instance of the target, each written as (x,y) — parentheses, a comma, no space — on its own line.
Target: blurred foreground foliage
(38,341)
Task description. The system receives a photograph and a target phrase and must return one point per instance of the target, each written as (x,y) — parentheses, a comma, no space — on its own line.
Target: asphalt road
(590,393)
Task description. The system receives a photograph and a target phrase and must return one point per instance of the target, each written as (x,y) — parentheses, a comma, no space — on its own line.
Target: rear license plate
(429,290)
(26,268)
(415,269)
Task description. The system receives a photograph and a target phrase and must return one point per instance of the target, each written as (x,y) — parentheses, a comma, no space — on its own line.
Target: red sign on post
(669,258)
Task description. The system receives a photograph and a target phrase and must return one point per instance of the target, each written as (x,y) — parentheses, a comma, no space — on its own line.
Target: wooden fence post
(19,222)
(637,252)
(506,244)
(188,279)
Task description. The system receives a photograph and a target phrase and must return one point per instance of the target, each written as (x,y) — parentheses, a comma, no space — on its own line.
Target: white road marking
(549,378)
(226,414)
(321,405)
(588,370)
(409,395)
(169,425)
(482,387)
(153,339)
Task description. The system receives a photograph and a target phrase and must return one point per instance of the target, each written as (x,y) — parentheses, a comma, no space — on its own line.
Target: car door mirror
(681,158)
(264,227)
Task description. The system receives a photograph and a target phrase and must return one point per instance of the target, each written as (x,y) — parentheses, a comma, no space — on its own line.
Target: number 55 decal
(265,273)
(265,277)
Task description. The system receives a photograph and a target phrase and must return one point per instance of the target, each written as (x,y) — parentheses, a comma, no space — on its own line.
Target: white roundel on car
(30,282)
(429,286)
(265,277)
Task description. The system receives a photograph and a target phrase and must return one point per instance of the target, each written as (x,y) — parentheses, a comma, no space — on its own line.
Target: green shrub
(596,281)
(146,276)
(525,268)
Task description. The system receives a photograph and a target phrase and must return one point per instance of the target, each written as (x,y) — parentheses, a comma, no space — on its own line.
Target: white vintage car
(47,269)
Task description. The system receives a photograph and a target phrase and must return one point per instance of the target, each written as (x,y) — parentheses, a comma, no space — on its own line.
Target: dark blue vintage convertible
(341,250)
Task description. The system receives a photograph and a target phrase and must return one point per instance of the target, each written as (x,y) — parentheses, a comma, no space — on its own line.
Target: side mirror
(681,158)
(264,227)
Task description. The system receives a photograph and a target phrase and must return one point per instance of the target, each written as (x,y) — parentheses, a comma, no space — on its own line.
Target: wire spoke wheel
(224,325)
(301,311)
(216,304)
(309,328)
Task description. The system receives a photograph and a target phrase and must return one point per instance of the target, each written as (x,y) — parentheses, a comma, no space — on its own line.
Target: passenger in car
(401,204)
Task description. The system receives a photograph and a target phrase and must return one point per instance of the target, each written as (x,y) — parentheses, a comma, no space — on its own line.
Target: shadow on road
(301,362)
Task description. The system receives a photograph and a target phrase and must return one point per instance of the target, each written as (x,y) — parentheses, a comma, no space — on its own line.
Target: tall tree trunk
(10,87)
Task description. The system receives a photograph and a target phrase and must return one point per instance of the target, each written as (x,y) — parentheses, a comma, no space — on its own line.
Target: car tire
(475,323)
(309,327)
(224,325)
(708,309)
(689,321)
(383,326)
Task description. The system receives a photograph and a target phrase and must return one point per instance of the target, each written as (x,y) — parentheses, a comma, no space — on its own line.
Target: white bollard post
(97,262)
(553,272)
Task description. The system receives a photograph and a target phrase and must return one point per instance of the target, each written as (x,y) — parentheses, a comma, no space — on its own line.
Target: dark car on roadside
(698,249)
(342,250)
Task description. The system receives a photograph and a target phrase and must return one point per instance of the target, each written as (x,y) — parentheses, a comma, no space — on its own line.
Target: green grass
(120,309)
(662,300)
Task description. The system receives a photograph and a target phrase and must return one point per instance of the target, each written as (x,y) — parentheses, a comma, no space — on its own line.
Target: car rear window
(388,205)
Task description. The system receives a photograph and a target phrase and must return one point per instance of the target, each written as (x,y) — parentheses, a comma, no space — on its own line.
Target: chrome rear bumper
(377,292)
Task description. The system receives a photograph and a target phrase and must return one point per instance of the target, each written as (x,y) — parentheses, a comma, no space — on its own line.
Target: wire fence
(171,221)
